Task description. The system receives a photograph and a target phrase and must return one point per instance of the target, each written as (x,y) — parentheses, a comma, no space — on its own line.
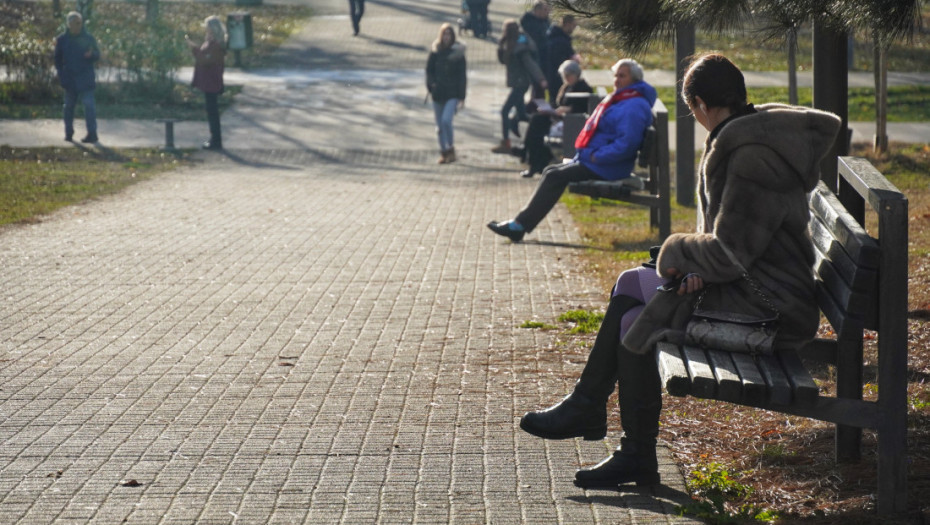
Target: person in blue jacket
(75,53)
(606,148)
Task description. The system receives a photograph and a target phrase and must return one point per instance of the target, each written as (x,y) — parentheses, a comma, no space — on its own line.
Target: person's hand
(690,283)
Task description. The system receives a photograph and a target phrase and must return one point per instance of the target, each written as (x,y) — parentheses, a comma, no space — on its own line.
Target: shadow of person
(657,498)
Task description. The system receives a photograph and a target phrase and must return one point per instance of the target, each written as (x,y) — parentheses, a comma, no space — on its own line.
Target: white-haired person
(542,123)
(209,63)
(75,54)
(605,149)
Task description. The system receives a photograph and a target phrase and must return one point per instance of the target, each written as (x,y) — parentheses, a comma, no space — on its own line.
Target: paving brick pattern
(297,335)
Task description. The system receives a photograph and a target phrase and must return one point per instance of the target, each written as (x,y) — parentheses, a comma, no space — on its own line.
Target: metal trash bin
(239,29)
(239,34)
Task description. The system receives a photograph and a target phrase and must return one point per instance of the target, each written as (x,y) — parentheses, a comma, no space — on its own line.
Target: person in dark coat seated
(546,122)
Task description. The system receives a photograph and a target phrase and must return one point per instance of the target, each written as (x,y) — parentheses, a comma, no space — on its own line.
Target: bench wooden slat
(860,246)
(859,279)
(844,325)
(755,391)
(854,303)
(703,382)
(674,372)
(729,386)
(802,384)
(775,378)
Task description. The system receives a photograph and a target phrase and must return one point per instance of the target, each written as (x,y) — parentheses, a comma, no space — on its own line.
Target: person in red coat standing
(209,62)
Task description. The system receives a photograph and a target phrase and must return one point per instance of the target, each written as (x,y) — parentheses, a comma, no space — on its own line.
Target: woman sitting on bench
(537,154)
(758,167)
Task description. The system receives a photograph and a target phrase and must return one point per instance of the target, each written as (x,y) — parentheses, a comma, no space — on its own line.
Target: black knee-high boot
(640,396)
(583,413)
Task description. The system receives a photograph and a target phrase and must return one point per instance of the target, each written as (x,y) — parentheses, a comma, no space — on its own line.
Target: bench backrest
(846,265)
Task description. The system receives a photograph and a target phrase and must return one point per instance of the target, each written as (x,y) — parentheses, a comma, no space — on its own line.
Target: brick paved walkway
(305,334)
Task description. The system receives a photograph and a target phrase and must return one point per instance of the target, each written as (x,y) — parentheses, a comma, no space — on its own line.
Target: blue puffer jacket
(75,71)
(611,153)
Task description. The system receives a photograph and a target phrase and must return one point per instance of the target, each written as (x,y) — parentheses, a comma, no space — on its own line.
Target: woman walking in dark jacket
(518,52)
(209,62)
(445,81)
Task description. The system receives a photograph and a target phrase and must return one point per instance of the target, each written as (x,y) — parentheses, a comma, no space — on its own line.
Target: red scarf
(590,125)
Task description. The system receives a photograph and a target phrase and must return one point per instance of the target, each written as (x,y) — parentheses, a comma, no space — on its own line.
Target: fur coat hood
(752,217)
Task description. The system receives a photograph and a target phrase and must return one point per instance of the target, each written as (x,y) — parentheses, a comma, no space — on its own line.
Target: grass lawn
(37,181)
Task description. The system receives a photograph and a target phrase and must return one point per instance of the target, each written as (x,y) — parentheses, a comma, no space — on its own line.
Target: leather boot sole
(641,479)
(588,434)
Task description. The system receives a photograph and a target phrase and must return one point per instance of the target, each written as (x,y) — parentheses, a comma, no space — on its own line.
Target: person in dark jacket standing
(518,52)
(209,63)
(445,80)
(356,10)
(535,23)
(75,53)
(478,11)
(558,50)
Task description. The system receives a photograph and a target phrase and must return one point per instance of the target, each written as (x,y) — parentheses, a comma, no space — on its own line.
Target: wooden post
(684,134)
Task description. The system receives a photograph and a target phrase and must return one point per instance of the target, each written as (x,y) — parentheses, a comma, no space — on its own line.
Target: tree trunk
(793,65)
(151,12)
(880,67)
(831,85)
(684,123)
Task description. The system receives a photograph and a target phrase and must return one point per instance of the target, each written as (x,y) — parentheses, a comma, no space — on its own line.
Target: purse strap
(755,288)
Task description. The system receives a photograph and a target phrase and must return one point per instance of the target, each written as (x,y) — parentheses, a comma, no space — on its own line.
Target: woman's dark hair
(717,81)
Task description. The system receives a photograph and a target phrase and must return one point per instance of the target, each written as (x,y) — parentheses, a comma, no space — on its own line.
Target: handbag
(734,332)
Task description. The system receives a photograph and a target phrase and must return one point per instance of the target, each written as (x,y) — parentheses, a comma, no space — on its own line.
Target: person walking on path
(518,52)
(478,13)
(751,252)
(209,63)
(535,23)
(76,52)
(356,10)
(446,83)
(605,149)
(558,50)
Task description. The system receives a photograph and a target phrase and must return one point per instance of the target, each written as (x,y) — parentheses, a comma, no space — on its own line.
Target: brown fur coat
(752,213)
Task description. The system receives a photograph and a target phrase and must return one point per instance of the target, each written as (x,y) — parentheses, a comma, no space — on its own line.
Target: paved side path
(312,330)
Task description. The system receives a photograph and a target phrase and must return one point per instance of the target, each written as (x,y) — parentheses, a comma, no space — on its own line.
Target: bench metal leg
(169,134)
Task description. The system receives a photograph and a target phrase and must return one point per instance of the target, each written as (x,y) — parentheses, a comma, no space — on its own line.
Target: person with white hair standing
(209,63)
(75,53)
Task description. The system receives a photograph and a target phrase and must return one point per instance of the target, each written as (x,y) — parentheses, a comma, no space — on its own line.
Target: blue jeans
(90,110)
(444,112)
(514,101)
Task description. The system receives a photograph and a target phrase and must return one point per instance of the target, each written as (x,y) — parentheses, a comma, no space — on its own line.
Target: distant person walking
(75,53)
(356,10)
(209,63)
(478,11)
(518,52)
(446,82)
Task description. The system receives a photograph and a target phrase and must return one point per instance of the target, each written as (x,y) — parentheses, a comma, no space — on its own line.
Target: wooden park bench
(653,156)
(861,285)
